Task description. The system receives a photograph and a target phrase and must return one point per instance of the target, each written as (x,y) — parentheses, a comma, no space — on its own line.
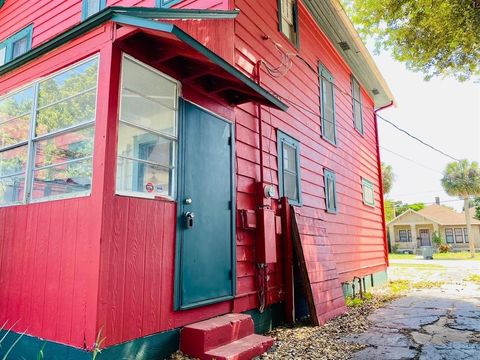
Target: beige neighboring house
(413,229)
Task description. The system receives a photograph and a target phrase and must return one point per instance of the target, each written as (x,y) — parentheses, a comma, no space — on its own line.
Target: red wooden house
(156,157)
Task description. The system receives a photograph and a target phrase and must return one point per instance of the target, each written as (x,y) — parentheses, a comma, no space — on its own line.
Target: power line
(416,138)
(411,160)
(350,95)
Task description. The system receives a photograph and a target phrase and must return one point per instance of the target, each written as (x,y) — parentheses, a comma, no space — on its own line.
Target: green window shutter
(368,191)
(167,3)
(289,179)
(330,191)
(357,105)
(327,105)
(91,7)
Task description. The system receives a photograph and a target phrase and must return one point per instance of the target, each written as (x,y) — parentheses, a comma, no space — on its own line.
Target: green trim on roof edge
(143,17)
(106,15)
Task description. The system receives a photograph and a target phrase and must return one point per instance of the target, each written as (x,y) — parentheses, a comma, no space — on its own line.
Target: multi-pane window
(16,45)
(457,235)
(404,235)
(368,193)
(449,236)
(289,168)
(327,110)
(288,19)
(147,137)
(91,7)
(46,136)
(330,191)
(357,106)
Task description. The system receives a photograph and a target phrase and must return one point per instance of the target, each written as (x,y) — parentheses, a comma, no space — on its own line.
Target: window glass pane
(449,235)
(66,147)
(329,130)
(328,109)
(93,6)
(330,192)
(68,98)
(290,185)
(12,189)
(458,235)
(69,178)
(137,176)
(288,19)
(356,90)
(19,47)
(146,155)
(148,99)
(3,54)
(15,115)
(465,235)
(144,145)
(289,158)
(358,115)
(13,161)
(402,235)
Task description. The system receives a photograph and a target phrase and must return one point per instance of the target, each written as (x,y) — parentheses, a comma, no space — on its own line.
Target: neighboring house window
(449,236)
(404,235)
(465,235)
(91,7)
(357,106)
(368,193)
(147,135)
(61,109)
(289,168)
(16,45)
(327,110)
(330,191)
(288,19)
(167,3)
(458,235)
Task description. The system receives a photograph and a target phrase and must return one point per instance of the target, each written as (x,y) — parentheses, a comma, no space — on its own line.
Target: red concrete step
(197,339)
(243,349)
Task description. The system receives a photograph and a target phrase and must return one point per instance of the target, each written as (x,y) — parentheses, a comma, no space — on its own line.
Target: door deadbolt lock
(189,219)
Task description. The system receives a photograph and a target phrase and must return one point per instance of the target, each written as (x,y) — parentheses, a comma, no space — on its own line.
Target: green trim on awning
(144,18)
(210,55)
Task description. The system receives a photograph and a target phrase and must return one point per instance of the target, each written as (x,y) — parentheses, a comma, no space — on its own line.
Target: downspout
(380,180)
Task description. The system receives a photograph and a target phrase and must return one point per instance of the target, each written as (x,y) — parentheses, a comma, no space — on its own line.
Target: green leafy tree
(435,37)
(401,207)
(388,178)
(462,179)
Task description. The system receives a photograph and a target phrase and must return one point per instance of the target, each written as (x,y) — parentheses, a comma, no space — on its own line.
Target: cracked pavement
(428,324)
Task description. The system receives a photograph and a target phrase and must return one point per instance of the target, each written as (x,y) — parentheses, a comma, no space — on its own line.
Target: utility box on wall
(266,239)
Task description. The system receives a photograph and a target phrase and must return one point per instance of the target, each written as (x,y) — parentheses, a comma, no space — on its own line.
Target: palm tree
(388,177)
(462,179)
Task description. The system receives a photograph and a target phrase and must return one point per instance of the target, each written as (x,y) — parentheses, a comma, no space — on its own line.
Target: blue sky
(442,112)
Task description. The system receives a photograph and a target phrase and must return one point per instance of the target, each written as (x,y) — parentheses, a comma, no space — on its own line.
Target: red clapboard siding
(356,229)
(50,251)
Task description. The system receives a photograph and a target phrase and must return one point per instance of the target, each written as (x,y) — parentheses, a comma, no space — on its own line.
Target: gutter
(380,180)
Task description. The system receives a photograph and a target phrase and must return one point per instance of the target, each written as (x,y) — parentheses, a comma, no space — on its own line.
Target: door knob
(189,219)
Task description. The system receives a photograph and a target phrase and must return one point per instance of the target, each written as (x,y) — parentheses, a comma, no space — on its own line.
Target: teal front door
(205,216)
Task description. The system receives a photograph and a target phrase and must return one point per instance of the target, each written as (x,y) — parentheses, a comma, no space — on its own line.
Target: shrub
(444,248)
(437,239)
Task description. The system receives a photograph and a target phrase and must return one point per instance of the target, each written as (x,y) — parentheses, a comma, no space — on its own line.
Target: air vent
(344,45)
(375,92)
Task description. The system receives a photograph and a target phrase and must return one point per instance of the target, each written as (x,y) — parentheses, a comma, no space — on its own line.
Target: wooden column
(413,230)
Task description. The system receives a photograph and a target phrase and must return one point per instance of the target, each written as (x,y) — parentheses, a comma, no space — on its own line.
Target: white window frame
(32,139)
(174,168)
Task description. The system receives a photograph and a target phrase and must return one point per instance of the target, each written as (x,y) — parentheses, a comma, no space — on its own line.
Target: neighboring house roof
(446,216)
(332,19)
(441,215)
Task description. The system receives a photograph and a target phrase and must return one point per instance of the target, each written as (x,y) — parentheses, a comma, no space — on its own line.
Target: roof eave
(338,27)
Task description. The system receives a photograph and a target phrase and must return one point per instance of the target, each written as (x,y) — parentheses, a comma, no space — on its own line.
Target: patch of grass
(356,301)
(473,278)
(418,266)
(402,256)
(427,284)
(464,255)
(399,286)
